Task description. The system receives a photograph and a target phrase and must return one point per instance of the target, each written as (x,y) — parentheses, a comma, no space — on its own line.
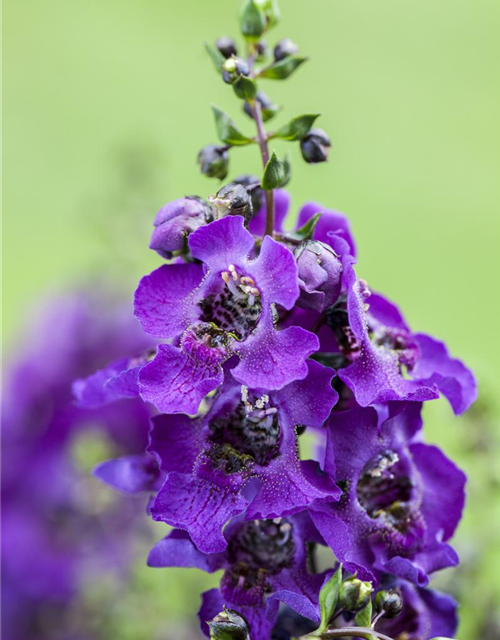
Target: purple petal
(112,383)
(212,604)
(442,610)
(336,535)
(165,303)
(281,205)
(309,401)
(407,569)
(178,550)
(222,243)
(199,507)
(275,273)
(451,376)
(176,440)
(444,487)
(272,359)
(174,383)
(330,223)
(130,474)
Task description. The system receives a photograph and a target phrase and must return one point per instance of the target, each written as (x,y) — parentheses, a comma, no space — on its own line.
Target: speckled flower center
(264,544)
(254,434)
(205,343)
(384,490)
(397,341)
(236,307)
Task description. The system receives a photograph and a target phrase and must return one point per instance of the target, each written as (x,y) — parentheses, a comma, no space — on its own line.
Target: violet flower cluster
(56,541)
(264,334)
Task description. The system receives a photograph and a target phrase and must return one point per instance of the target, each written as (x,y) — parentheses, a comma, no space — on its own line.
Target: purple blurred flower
(265,563)
(51,536)
(213,313)
(245,435)
(402,499)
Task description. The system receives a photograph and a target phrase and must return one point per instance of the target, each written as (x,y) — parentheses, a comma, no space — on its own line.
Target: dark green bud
(229,625)
(233,68)
(232,200)
(253,21)
(354,594)
(390,602)
(227,47)
(268,109)
(315,146)
(252,185)
(274,174)
(214,161)
(285,48)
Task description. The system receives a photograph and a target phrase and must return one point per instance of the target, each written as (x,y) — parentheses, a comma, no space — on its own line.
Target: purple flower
(426,614)
(265,563)
(175,221)
(211,314)
(402,499)
(388,361)
(245,435)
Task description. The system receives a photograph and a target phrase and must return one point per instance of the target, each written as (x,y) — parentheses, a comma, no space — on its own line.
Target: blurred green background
(106,104)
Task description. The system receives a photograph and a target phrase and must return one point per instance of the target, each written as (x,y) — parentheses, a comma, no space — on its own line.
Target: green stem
(353,632)
(264,152)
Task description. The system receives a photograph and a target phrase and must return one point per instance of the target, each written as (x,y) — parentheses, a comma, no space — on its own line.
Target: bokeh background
(106,104)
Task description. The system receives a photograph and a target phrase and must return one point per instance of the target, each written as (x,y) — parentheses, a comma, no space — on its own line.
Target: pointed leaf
(364,617)
(306,231)
(282,69)
(288,169)
(215,55)
(328,598)
(274,174)
(297,128)
(227,130)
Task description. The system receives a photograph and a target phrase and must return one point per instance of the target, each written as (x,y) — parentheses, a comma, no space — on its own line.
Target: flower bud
(214,161)
(284,48)
(315,146)
(232,200)
(227,47)
(233,68)
(229,625)
(354,594)
(390,602)
(175,221)
(319,271)
(256,193)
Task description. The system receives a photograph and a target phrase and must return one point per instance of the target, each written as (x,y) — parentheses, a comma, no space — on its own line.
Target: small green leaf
(288,169)
(252,21)
(328,598)
(297,128)
(245,88)
(269,112)
(282,69)
(215,55)
(227,130)
(364,617)
(306,231)
(274,174)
